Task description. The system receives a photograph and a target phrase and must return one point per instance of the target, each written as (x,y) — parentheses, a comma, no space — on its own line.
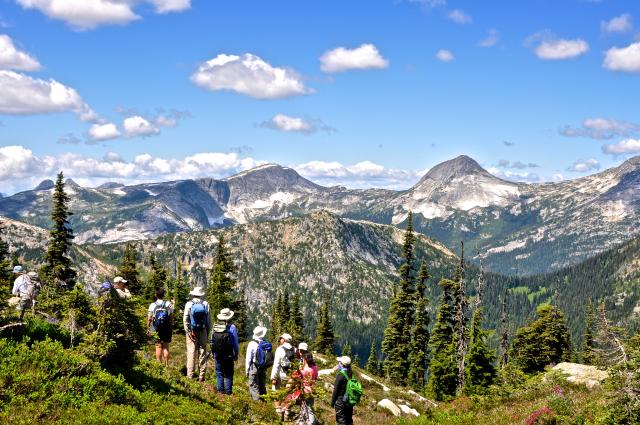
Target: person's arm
(275,370)
(16,287)
(209,322)
(234,338)
(337,388)
(248,357)
(186,322)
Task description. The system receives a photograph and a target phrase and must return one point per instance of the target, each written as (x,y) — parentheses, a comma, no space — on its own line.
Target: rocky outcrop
(581,374)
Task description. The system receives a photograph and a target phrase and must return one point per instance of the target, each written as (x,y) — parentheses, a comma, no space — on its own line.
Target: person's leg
(311,415)
(165,353)
(341,418)
(159,351)
(254,387)
(262,381)
(202,342)
(348,410)
(191,357)
(228,377)
(219,377)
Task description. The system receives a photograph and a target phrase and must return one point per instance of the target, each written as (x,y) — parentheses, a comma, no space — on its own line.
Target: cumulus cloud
(619,24)
(89,14)
(137,126)
(601,128)
(582,166)
(286,123)
(363,174)
(12,58)
(101,132)
(341,59)
(69,139)
(459,17)
(626,59)
(23,95)
(249,75)
(547,46)
(492,38)
(624,147)
(444,55)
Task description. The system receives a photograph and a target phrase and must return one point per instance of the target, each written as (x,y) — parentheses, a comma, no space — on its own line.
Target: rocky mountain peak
(459,166)
(272,178)
(110,185)
(45,185)
(71,183)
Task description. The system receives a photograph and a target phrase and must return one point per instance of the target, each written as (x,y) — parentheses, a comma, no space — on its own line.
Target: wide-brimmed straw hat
(259,332)
(198,291)
(345,360)
(225,314)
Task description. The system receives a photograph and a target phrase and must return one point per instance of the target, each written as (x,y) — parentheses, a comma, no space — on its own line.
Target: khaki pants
(197,351)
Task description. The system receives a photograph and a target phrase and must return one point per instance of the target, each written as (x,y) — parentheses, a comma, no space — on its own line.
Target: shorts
(164,337)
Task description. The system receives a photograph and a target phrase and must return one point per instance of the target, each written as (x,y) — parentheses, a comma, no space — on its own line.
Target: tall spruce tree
(157,278)
(325,338)
(240,317)
(396,342)
(128,269)
(460,321)
(419,354)
(275,331)
(223,280)
(57,269)
(5,272)
(346,350)
(372,362)
(295,324)
(544,341)
(504,331)
(443,368)
(588,337)
(480,371)
(180,294)
(609,347)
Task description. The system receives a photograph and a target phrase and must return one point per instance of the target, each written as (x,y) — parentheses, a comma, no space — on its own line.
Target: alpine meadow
(401,212)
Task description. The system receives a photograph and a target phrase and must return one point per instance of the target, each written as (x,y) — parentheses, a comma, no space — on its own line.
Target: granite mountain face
(518,228)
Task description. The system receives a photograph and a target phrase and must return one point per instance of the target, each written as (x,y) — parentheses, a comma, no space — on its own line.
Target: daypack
(161,320)
(31,288)
(198,316)
(105,288)
(264,355)
(287,360)
(221,343)
(354,389)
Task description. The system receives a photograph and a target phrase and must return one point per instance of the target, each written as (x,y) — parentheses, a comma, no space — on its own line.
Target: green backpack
(354,389)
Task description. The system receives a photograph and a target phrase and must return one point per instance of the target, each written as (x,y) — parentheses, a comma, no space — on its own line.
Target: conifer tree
(157,279)
(609,348)
(5,272)
(443,370)
(544,341)
(240,318)
(460,321)
(396,342)
(325,338)
(275,331)
(295,324)
(57,269)
(222,280)
(504,331)
(372,362)
(588,337)
(346,350)
(128,269)
(419,354)
(356,360)
(480,371)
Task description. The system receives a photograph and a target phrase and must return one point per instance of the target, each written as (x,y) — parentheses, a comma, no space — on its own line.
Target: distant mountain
(517,228)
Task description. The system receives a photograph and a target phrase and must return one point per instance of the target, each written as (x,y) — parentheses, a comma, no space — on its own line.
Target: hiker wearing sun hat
(259,358)
(23,289)
(225,349)
(344,411)
(121,289)
(197,325)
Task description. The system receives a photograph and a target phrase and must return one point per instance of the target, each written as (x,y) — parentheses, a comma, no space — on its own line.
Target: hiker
(309,371)
(225,349)
(303,349)
(197,326)
(25,289)
(282,362)
(160,321)
(344,410)
(121,289)
(35,282)
(259,358)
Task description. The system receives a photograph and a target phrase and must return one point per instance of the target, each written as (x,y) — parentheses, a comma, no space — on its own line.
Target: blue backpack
(161,317)
(198,316)
(105,287)
(264,355)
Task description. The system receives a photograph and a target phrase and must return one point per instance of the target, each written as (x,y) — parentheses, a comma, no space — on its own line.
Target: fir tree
(275,331)
(128,269)
(419,355)
(295,325)
(5,271)
(324,332)
(396,342)
(157,279)
(609,348)
(480,371)
(372,362)
(544,341)
(588,337)
(460,321)
(57,269)
(223,280)
(443,370)
(504,331)
(356,359)
(240,318)
(346,350)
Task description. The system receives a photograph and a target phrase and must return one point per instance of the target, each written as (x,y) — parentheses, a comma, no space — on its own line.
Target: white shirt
(251,352)
(186,319)
(20,285)
(277,372)
(158,303)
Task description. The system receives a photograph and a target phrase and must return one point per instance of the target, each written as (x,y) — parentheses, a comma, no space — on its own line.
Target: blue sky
(360,93)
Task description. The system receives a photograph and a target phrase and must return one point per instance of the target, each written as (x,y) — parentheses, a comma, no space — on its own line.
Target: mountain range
(517,228)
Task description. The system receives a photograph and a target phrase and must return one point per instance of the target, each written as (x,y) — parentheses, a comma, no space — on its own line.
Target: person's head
(119,282)
(309,360)
(160,293)
(225,315)
(259,332)
(285,338)
(197,292)
(18,269)
(303,347)
(344,361)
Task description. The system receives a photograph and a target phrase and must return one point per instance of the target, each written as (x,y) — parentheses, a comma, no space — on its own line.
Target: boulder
(408,410)
(390,407)
(590,376)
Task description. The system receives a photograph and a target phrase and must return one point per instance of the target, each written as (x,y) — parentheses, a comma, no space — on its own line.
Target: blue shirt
(234,340)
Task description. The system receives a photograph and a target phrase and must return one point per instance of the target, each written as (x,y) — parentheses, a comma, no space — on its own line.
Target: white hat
(225,314)
(286,337)
(32,274)
(259,332)
(345,360)
(303,346)
(198,291)
(18,269)
(119,279)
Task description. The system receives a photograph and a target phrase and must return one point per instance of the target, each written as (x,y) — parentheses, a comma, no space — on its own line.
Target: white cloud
(137,126)
(626,146)
(169,6)
(515,176)
(286,123)
(601,128)
(12,58)
(582,166)
(548,46)
(429,4)
(364,174)
(100,132)
(84,14)
(341,59)
(492,38)
(503,163)
(249,75)
(625,59)
(619,24)
(459,17)
(23,95)
(444,55)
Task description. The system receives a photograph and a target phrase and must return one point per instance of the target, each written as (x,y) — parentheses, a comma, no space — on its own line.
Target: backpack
(32,287)
(221,343)
(264,355)
(198,316)
(105,288)
(287,360)
(161,317)
(354,389)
